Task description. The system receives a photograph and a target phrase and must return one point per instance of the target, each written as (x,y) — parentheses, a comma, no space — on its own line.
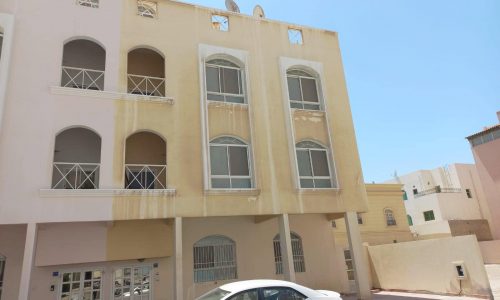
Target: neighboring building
(486,149)
(156,149)
(384,223)
(446,201)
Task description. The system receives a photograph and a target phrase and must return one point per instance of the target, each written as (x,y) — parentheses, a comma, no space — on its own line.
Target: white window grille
(297,251)
(224,81)
(145,177)
(88,3)
(295,36)
(81,285)
(146,85)
(389,217)
(75,176)
(148,9)
(80,78)
(303,90)
(132,283)
(214,259)
(2,269)
(229,164)
(220,22)
(349,264)
(313,166)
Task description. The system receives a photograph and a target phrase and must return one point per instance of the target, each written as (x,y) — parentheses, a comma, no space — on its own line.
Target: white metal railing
(146,85)
(145,177)
(75,176)
(86,79)
(214,262)
(88,3)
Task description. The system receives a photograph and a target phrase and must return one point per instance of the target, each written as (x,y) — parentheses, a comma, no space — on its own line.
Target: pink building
(486,149)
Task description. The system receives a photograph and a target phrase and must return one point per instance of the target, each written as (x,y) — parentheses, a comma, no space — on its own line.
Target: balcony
(83,65)
(145,85)
(145,177)
(437,190)
(146,73)
(75,176)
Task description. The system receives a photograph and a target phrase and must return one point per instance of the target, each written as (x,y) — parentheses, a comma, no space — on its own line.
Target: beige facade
(129,168)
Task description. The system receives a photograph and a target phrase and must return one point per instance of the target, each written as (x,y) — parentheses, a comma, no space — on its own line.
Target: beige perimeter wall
(428,266)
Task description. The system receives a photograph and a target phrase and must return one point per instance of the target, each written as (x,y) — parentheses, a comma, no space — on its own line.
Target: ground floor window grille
(81,285)
(132,283)
(297,251)
(349,264)
(214,259)
(2,268)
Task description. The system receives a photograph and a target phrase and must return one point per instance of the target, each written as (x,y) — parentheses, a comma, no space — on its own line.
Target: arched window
(224,81)
(389,217)
(314,170)
(83,65)
(303,90)
(214,259)
(77,158)
(297,251)
(145,161)
(146,73)
(229,164)
(410,220)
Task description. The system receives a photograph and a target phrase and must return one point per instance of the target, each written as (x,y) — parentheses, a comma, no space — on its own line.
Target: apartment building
(485,146)
(446,201)
(157,149)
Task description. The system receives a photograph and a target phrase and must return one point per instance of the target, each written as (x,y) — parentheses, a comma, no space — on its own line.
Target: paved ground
(409,296)
(494,277)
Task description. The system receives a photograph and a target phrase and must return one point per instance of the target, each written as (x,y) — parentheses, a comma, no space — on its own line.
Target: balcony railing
(145,177)
(146,85)
(437,190)
(79,78)
(75,176)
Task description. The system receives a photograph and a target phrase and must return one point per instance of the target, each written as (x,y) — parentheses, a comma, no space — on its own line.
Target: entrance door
(132,283)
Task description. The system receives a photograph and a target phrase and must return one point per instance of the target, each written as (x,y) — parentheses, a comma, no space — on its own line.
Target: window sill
(49,193)
(308,112)
(57,90)
(231,105)
(243,192)
(313,191)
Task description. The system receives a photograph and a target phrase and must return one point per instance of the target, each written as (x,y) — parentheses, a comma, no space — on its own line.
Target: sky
(421,74)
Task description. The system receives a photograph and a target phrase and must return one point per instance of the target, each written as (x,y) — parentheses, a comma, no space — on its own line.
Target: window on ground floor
(81,285)
(297,251)
(214,259)
(132,283)
(429,215)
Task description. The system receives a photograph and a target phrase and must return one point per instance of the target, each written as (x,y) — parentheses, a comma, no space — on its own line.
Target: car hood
(329,294)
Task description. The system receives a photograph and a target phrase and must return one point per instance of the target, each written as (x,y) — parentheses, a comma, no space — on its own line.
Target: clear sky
(421,74)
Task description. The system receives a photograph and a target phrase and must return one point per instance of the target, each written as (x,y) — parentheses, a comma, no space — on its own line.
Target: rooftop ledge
(49,193)
(58,90)
(243,192)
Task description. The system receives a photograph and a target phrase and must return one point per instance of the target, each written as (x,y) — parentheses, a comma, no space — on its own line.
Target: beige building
(157,149)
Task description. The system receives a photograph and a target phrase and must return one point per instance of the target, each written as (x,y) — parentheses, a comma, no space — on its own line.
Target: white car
(267,290)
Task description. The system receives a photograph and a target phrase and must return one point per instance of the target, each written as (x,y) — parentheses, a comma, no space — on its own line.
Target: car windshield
(215,294)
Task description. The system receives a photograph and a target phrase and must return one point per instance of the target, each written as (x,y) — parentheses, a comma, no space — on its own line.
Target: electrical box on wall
(460,272)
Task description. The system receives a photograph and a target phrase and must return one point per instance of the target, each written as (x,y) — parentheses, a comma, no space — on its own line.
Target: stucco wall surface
(428,266)
(12,238)
(490,251)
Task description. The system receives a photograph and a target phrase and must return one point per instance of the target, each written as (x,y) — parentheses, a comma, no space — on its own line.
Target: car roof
(258,283)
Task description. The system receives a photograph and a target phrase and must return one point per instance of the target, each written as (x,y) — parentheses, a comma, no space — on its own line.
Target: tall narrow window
(349,264)
(214,259)
(88,3)
(469,193)
(312,160)
(303,90)
(1,43)
(410,220)
(81,285)
(148,9)
(405,196)
(389,217)
(132,283)
(229,164)
(2,268)
(224,81)
(297,251)
(360,218)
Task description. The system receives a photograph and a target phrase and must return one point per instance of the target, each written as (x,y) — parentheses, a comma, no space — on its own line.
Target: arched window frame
(223,65)
(390,220)
(146,84)
(303,76)
(299,263)
(229,142)
(214,258)
(320,181)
